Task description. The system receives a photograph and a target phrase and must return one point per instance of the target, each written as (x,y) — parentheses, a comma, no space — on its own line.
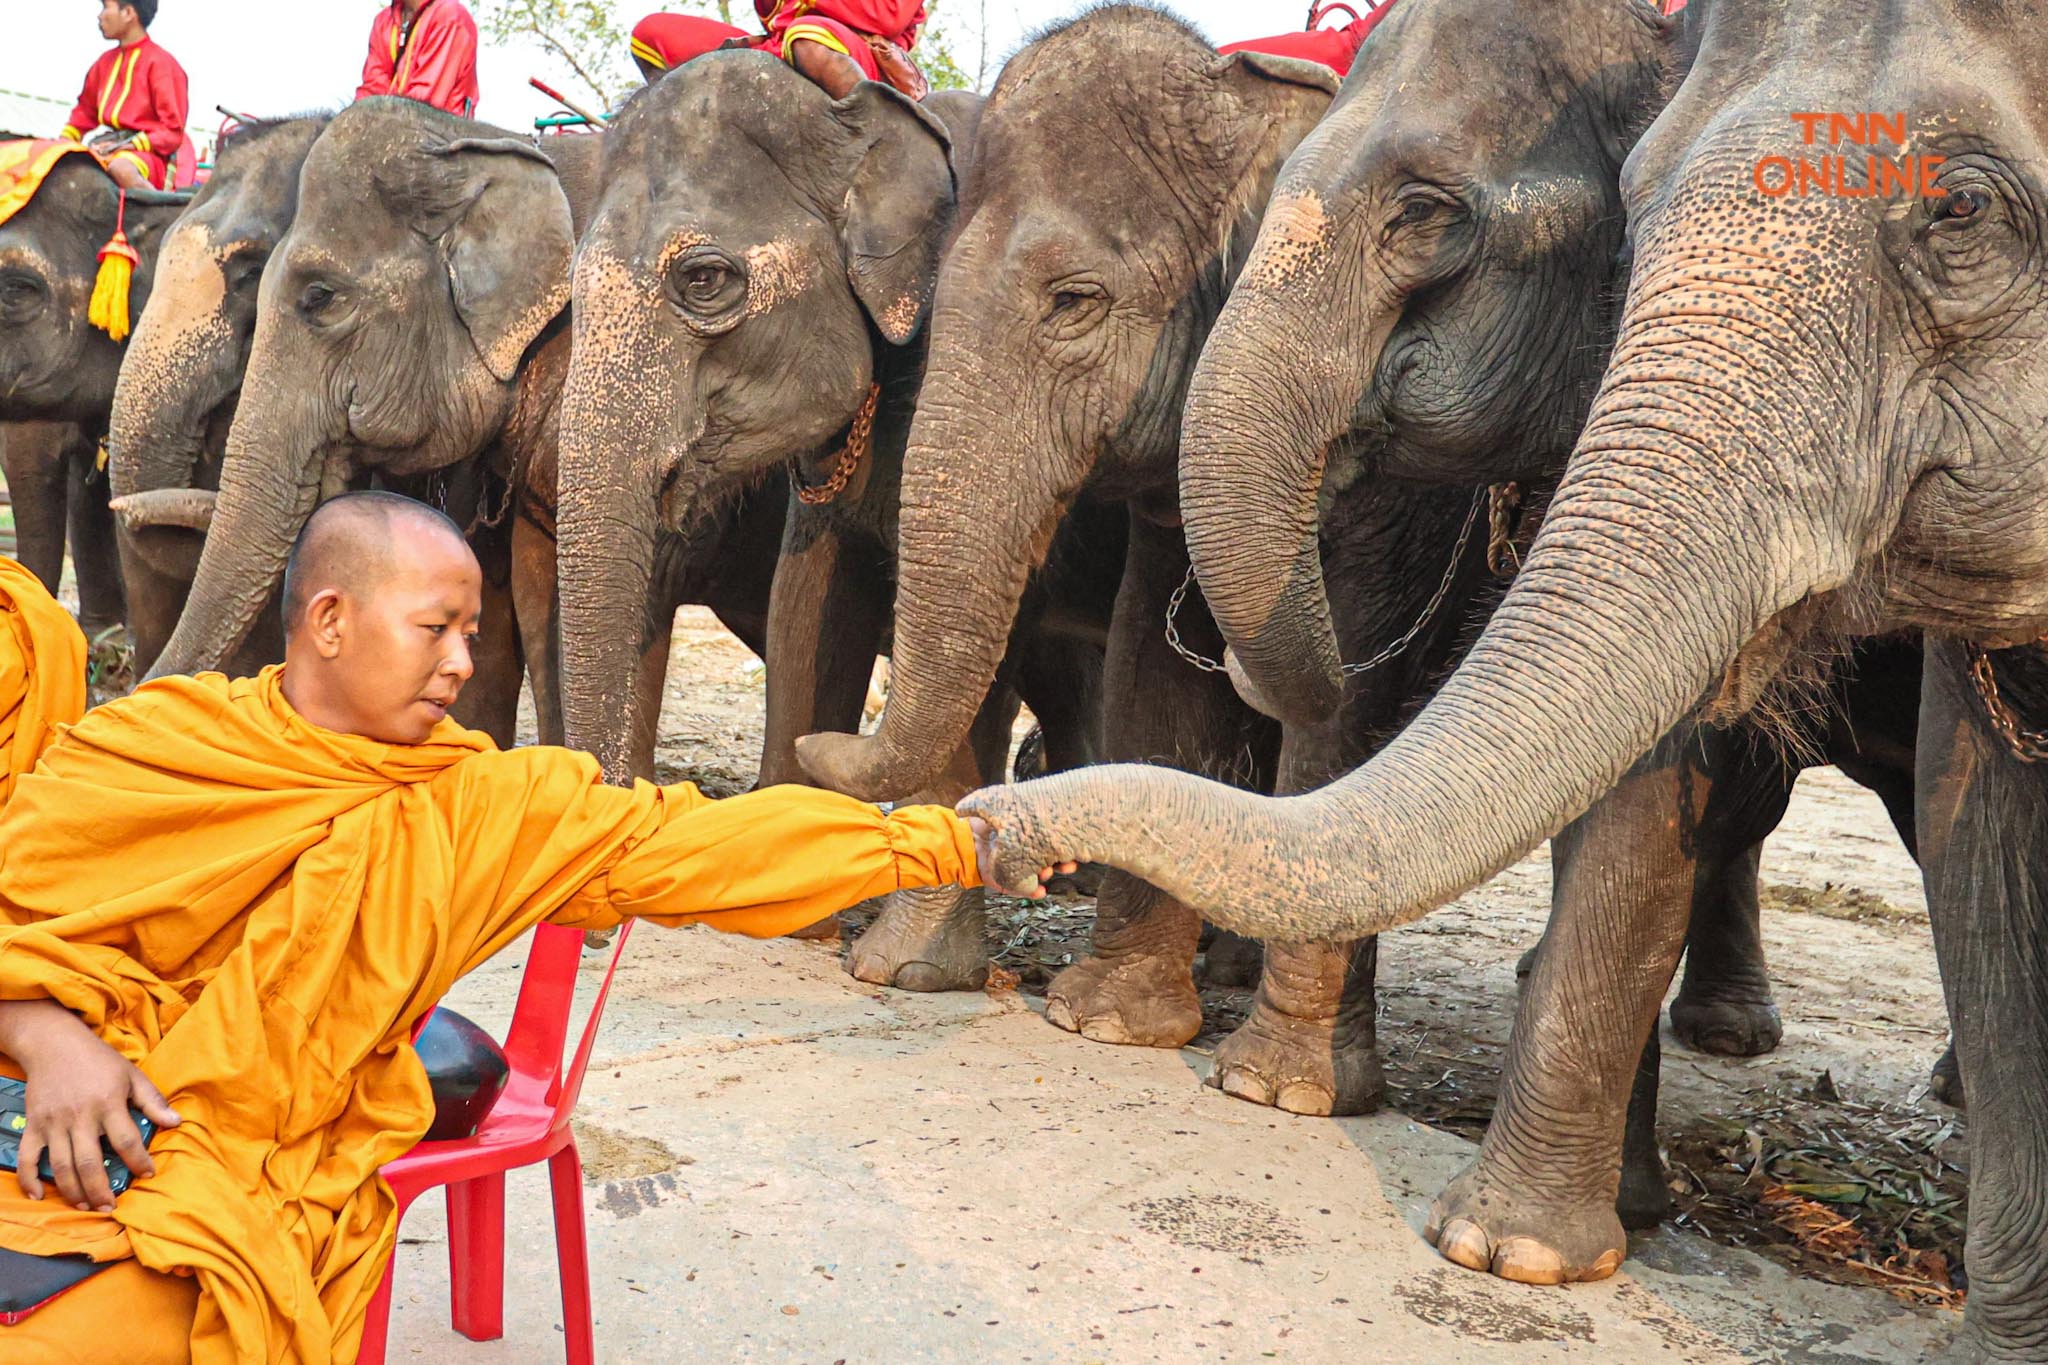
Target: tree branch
(561,50)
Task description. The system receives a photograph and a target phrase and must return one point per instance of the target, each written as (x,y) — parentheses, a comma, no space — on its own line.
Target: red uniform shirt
(1333,47)
(137,89)
(435,65)
(666,41)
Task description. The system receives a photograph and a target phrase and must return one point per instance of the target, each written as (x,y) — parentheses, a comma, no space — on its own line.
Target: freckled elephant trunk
(1655,569)
(967,545)
(1277,383)
(606,523)
(271,480)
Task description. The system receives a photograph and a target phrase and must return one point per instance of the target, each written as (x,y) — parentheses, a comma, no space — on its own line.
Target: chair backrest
(540,1020)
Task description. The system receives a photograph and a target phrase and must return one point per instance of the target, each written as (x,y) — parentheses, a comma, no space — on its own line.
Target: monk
(227,903)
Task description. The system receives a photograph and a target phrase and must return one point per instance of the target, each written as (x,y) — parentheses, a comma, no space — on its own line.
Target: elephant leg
(32,456)
(1538,1204)
(1060,679)
(95,559)
(536,608)
(490,700)
(1983,822)
(826,615)
(1137,985)
(650,682)
(936,939)
(1310,1044)
(1724,1003)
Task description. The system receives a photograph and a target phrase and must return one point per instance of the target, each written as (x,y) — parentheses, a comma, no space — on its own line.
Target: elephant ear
(899,201)
(507,240)
(1270,82)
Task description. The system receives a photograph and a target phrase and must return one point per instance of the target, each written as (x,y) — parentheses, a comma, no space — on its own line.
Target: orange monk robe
(42,671)
(256,911)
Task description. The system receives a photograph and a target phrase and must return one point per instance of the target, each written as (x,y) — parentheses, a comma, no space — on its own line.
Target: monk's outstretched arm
(773,861)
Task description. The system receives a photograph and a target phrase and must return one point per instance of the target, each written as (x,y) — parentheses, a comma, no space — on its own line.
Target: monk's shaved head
(354,543)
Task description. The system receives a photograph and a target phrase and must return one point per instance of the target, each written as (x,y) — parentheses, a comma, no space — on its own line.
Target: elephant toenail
(1463,1242)
(1304,1097)
(1605,1264)
(1246,1085)
(1528,1261)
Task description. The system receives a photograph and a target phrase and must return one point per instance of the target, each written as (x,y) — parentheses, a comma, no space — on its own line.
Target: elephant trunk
(1276,384)
(183,361)
(277,462)
(606,524)
(967,544)
(1658,574)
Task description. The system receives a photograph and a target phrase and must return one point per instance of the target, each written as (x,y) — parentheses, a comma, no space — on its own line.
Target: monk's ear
(506,237)
(898,204)
(320,627)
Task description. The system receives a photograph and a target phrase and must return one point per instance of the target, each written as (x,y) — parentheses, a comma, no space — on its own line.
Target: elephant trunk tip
(855,765)
(1309,700)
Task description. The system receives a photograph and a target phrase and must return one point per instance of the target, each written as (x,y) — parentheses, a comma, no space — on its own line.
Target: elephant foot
(1728,1025)
(1138,1000)
(1302,1066)
(925,940)
(1499,1228)
(826,928)
(1232,960)
(1946,1082)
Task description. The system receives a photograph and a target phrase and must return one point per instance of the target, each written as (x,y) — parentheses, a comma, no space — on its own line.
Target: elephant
(411,328)
(1710,542)
(1030,417)
(58,371)
(749,298)
(182,376)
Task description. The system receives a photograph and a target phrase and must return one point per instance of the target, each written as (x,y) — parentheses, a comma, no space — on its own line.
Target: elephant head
(759,254)
(183,368)
(427,254)
(1431,299)
(1823,416)
(56,365)
(1119,170)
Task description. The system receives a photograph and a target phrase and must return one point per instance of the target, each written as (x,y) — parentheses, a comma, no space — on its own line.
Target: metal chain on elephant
(2029,746)
(859,437)
(1443,588)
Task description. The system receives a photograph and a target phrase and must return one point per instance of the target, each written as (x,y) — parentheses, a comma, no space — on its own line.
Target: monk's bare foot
(1304,1066)
(1498,1227)
(925,940)
(1141,999)
(1732,1022)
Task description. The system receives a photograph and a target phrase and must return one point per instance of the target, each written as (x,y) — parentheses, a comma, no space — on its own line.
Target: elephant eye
(314,299)
(1962,204)
(246,272)
(706,287)
(1418,210)
(19,294)
(1074,306)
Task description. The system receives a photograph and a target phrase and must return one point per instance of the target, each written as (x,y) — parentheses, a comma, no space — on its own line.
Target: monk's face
(393,654)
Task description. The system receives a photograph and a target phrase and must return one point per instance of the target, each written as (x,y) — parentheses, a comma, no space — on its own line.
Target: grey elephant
(749,298)
(1708,540)
(58,370)
(1068,315)
(182,376)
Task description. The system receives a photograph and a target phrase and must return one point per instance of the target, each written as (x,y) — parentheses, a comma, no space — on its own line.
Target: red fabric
(669,40)
(1335,48)
(896,20)
(138,89)
(437,66)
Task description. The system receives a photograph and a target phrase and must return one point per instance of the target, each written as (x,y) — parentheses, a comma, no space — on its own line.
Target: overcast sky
(271,57)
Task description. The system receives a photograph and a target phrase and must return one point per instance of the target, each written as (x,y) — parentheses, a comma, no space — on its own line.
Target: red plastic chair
(529,1123)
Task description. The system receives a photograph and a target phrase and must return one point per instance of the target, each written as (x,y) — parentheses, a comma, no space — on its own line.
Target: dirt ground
(1827,1154)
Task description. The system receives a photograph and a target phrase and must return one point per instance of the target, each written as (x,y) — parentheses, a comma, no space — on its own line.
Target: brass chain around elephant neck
(1501,499)
(2029,746)
(859,438)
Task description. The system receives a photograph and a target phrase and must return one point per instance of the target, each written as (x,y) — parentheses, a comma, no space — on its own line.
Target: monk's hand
(78,1090)
(999,863)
